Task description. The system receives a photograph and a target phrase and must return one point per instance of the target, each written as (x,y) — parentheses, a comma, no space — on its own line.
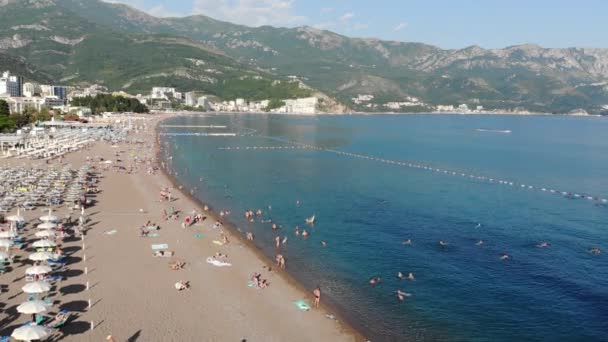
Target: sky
(444,23)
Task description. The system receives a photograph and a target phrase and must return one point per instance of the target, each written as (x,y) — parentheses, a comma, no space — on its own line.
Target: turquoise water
(365,208)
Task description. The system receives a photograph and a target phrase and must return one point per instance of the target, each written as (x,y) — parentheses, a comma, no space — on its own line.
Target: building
(190,99)
(17,105)
(82,112)
(60,92)
(11,85)
(31,89)
(203,102)
(52,101)
(163,93)
(46,90)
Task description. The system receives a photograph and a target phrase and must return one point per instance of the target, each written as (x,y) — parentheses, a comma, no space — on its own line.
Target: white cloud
(347,16)
(400,26)
(250,12)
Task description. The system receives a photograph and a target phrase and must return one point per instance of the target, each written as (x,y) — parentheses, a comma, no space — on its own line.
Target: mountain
(526,76)
(45,40)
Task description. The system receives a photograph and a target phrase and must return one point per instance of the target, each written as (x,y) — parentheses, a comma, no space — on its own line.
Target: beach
(131,293)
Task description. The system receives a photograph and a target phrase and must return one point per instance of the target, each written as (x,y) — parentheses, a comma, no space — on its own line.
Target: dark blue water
(366,208)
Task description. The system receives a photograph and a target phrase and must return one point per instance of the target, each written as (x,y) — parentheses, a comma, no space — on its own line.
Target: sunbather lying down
(182,285)
(60,319)
(177,265)
(164,254)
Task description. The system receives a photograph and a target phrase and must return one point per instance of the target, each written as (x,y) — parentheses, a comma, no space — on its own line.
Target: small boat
(310,220)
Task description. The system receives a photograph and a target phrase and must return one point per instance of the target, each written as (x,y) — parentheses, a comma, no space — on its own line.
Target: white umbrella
(32,307)
(49,217)
(4,255)
(16,218)
(41,256)
(5,243)
(47,225)
(44,244)
(7,235)
(45,233)
(36,287)
(30,333)
(36,270)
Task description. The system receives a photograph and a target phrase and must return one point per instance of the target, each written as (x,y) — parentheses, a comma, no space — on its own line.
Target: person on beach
(277,240)
(249,236)
(317,293)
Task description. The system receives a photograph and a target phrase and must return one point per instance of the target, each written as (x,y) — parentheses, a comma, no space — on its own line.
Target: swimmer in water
(401,295)
(410,276)
(297,231)
(284,240)
(505,256)
(304,233)
(595,251)
(479,243)
(407,242)
(323,244)
(274,226)
(543,244)
(442,243)
(277,239)
(400,275)
(478,225)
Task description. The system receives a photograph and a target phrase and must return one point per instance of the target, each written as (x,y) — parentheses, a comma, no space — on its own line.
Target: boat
(504,131)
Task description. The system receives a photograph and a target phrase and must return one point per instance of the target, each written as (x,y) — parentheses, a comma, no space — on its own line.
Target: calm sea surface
(366,208)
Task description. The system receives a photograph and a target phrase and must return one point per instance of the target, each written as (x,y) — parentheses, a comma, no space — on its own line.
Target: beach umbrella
(49,217)
(5,243)
(36,287)
(16,218)
(47,225)
(30,333)
(45,234)
(44,244)
(7,235)
(4,255)
(41,256)
(36,270)
(31,307)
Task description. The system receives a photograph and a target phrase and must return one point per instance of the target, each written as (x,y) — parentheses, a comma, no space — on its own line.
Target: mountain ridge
(522,76)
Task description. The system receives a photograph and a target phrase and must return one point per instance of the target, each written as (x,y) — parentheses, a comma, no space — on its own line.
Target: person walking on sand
(277,240)
(317,293)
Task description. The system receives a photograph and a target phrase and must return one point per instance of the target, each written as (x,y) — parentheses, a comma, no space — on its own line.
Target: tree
(4,108)
(273,104)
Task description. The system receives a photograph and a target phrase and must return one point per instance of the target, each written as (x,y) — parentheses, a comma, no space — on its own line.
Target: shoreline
(236,235)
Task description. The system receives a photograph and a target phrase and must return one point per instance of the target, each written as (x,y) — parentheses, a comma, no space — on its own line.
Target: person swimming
(504,256)
(297,231)
(407,242)
(323,244)
(442,243)
(410,276)
(595,250)
(401,295)
(400,275)
(543,244)
(304,233)
(479,243)
(478,225)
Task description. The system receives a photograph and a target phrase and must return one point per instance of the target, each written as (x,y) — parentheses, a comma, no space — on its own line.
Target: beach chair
(60,320)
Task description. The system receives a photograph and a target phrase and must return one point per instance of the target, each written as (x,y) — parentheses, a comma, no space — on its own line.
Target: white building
(11,84)
(31,89)
(163,93)
(203,102)
(190,99)
(306,105)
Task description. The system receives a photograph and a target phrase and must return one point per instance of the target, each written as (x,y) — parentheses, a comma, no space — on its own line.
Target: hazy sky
(446,23)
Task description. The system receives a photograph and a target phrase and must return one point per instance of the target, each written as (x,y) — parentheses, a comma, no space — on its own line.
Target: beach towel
(198,235)
(160,246)
(251,284)
(217,263)
(302,305)
(219,243)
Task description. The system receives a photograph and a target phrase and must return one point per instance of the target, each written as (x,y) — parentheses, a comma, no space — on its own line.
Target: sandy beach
(132,293)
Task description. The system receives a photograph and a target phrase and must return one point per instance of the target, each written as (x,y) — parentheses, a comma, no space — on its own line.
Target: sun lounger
(60,320)
(160,246)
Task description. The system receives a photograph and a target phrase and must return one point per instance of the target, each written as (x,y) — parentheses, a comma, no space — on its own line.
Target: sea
(375,181)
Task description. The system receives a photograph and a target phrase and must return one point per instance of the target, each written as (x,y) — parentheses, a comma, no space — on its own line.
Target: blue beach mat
(198,235)
(160,246)
(302,305)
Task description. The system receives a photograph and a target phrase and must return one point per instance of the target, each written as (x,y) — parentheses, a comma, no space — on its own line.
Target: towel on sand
(160,246)
(217,263)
